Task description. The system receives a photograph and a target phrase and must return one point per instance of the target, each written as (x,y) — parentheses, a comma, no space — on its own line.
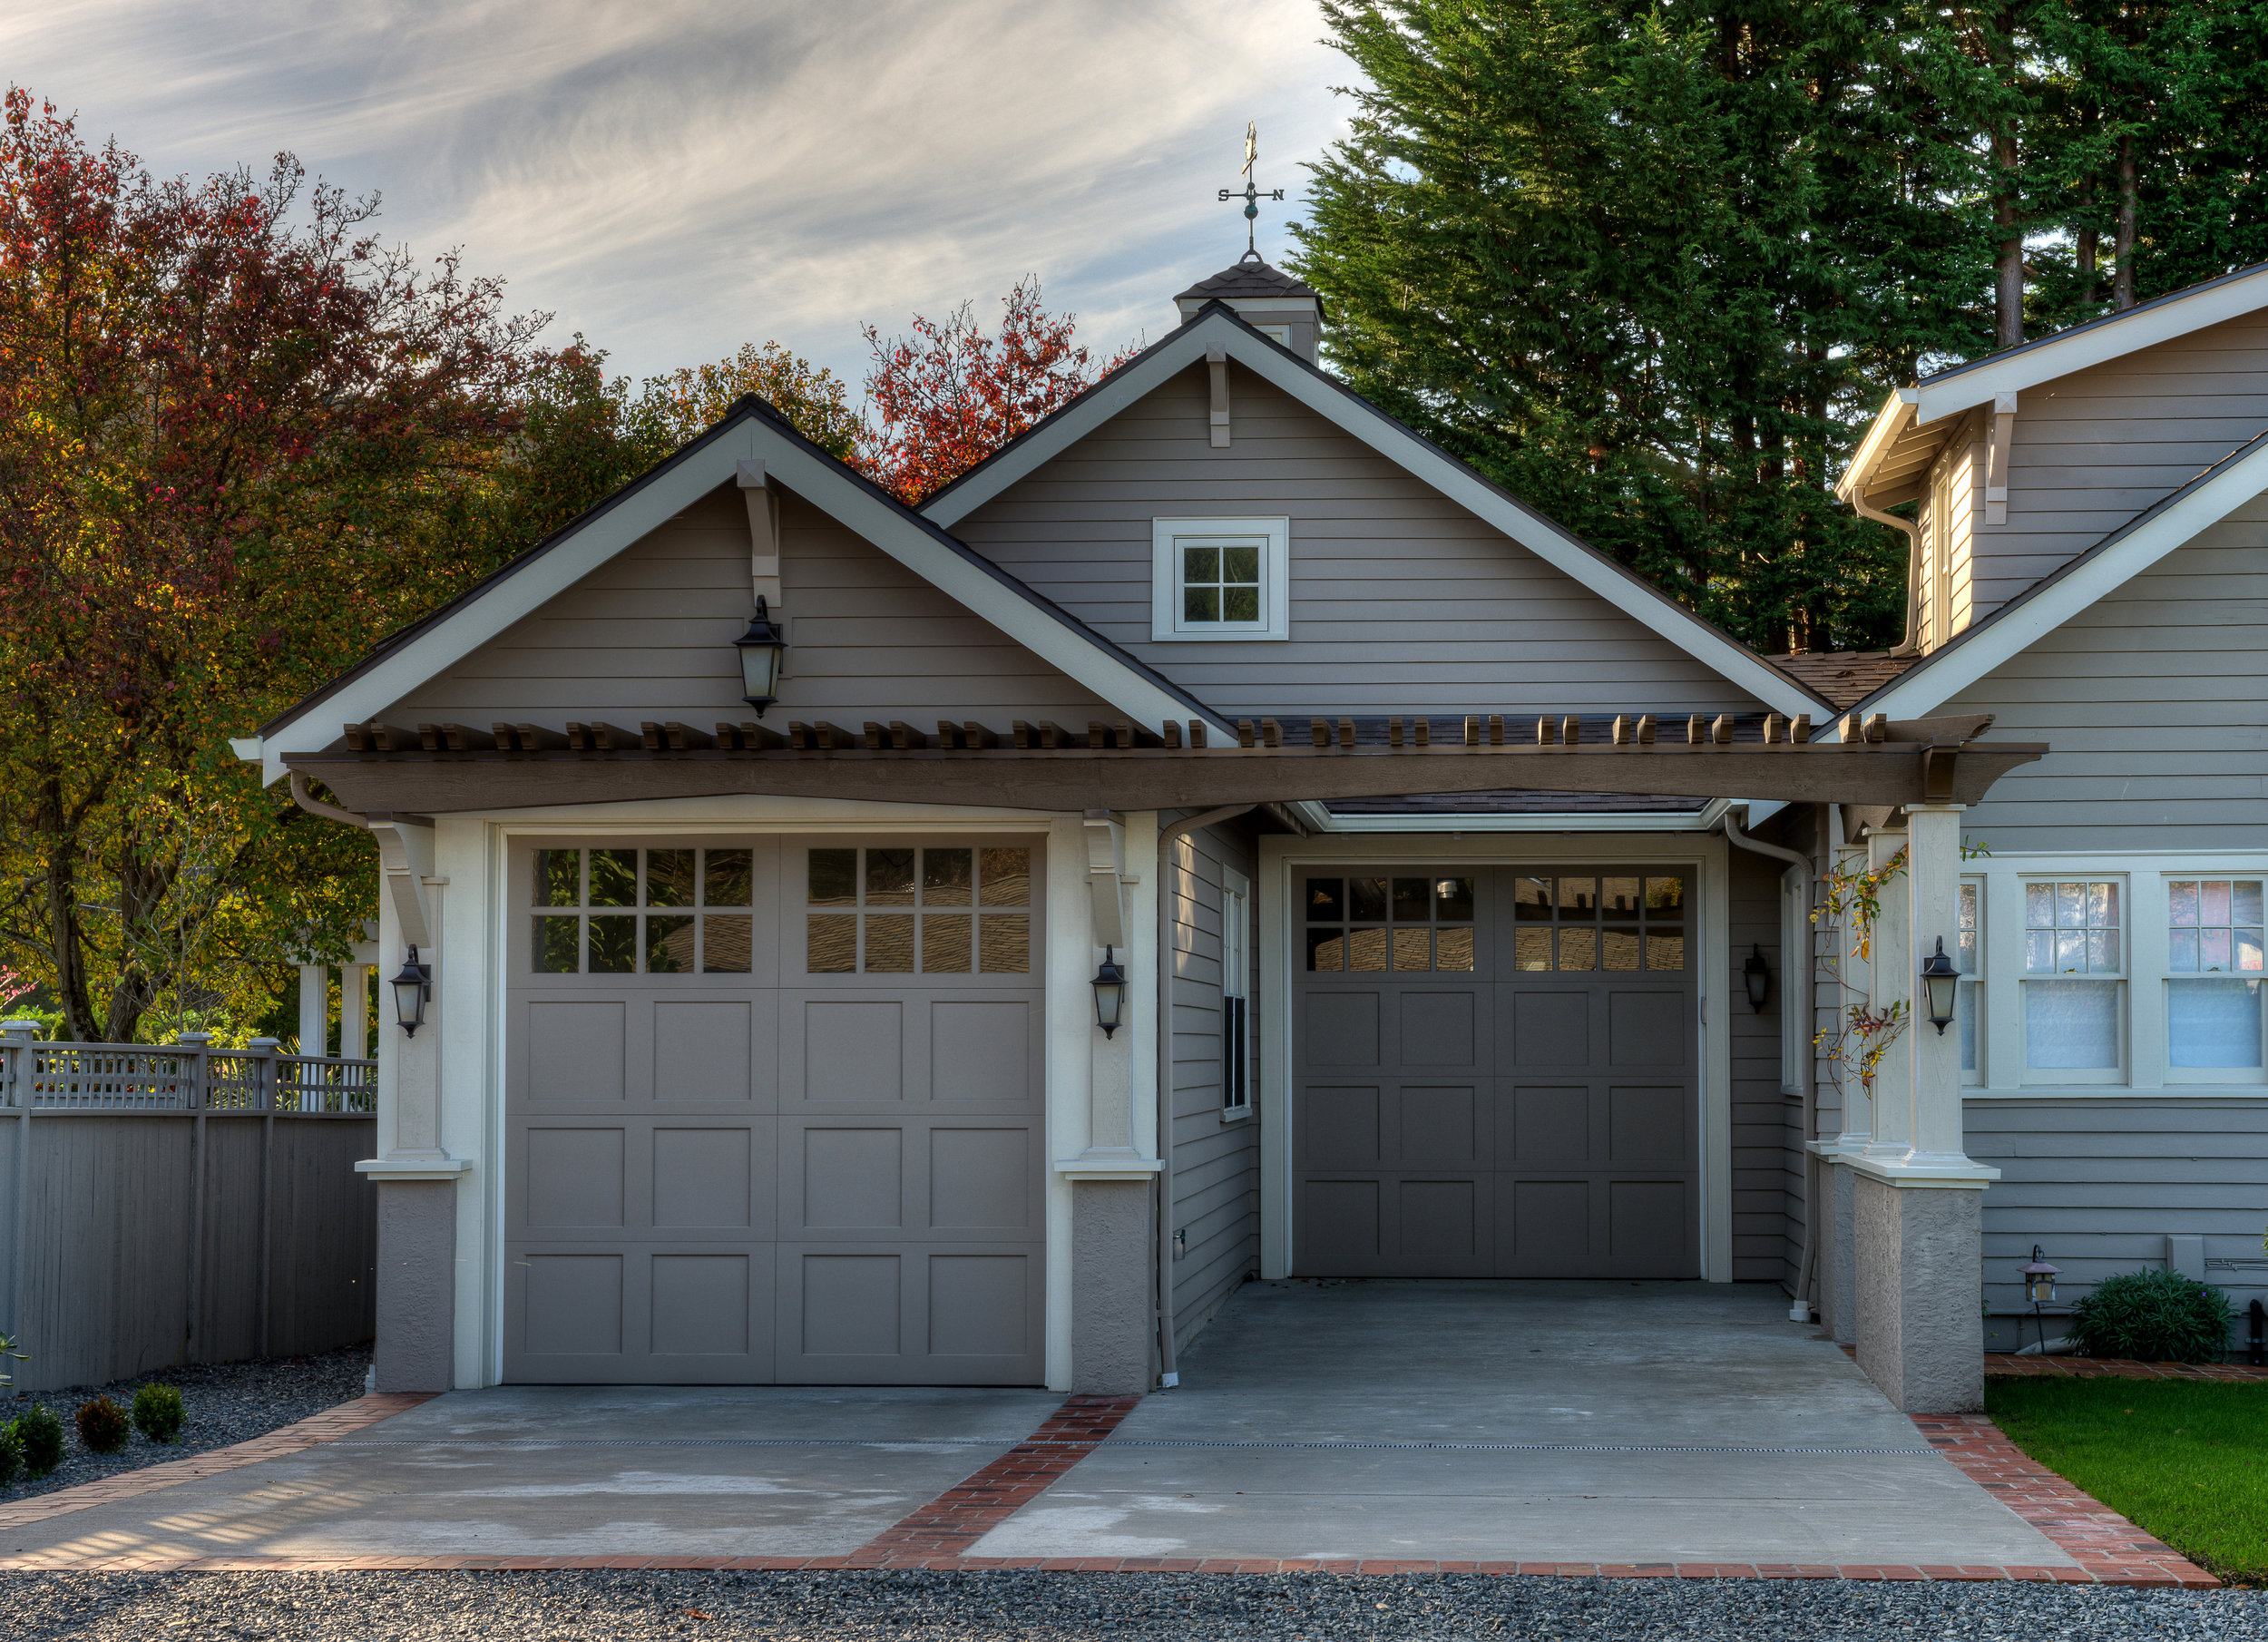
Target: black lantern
(760,648)
(1109,985)
(1940,986)
(412,987)
(1758,974)
(2039,1279)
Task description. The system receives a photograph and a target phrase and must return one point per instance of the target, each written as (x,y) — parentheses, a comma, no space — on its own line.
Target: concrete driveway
(1483,1421)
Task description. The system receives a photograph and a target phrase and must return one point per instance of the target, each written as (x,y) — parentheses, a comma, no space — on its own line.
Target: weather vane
(1251,193)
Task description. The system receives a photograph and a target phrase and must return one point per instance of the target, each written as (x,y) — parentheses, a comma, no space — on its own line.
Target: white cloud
(675,177)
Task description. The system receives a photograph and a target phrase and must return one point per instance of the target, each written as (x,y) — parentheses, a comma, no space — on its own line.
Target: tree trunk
(65,933)
(2121,280)
(2087,242)
(2008,256)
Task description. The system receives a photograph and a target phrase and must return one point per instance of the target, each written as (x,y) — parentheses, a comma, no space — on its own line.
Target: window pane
(1965,1006)
(669,944)
(559,877)
(1412,899)
(2213,901)
(833,875)
(2181,902)
(1366,950)
(2102,950)
(1413,949)
(2244,901)
(2248,950)
(1240,564)
(1004,878)
(557,941)
(2102,905)
(1577,896)
(1200,564)
(1665,898)
(1665,952)
(1200,604)
(2039,905)
(1327,951)
(830,945)
(2070,906)
(669,877)
(945,943)
(724,944)
(1578,949)
(2071,951)
(1531,898)
(2181,951)
(1240,604)
(1453,900)
(889,877)
(889,943)
(1531,949)
(2213,949)
(1965,942)
(2071,1024)
(1453,948)
(2039,951)
(1618,949)
(1006,944)
(1366,900)
(613,945)
(1326,901)
(947,878)
(613,877)
(1619,897)
(728,876)
(2213,1023)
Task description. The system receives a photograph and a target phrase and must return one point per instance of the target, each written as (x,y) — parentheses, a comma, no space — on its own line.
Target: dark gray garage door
(1495,1075)
(774,1112)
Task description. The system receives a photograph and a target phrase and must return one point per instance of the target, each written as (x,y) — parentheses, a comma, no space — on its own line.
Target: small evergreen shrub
(40,1434)
(103,1427)
(11,1454)
(157,1412)
(2158,1316)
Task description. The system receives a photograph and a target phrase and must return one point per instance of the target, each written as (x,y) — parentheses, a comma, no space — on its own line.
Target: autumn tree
(949,396)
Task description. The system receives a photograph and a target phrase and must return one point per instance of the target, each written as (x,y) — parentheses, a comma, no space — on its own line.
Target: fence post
(18,1035)
(194,1044)
(270,1079)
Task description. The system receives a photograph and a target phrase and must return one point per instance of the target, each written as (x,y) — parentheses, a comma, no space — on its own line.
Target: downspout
(1169,1374)
(1911,645)
(1800,1311)
(315,806)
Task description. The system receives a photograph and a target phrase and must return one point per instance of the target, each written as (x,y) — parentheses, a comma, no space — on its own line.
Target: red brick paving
(2003,1364)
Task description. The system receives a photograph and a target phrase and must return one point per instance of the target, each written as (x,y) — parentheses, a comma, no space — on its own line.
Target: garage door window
(939,911)
(1584,924)
(655,912)
(1372,924)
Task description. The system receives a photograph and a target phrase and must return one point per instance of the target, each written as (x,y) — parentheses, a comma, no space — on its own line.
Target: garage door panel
(1339,1227)
(706,1049)
(1443,1225)
(1444,1028)
(842,1050)
(1647,1029)
(981,1180)
(1645,1219)
(986,1053)
(1340,1028)
(1340,1127)
(1544,1227)
(1649,1126)
(1440,1126)
(957,1314)
(575,1175)
(577,1050)
(709,1179)
(1546,1127)
(1548,1028)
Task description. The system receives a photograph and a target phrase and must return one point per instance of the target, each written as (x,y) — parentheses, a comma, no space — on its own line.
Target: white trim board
(1421,460)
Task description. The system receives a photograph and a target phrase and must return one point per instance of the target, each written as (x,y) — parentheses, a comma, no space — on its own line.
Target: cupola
(1270,301)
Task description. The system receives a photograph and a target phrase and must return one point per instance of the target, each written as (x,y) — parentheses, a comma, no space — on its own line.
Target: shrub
(157,1412)
(40,1433)
(2158,1317)
(103,1427)
(11,1454)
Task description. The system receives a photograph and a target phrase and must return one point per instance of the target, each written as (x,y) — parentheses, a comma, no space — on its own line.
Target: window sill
(1226,636)
(2121,1091)
(1241,1114)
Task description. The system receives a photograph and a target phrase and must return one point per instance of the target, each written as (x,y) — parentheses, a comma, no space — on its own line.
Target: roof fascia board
(1890,423)
(2006,633)
(1285,370)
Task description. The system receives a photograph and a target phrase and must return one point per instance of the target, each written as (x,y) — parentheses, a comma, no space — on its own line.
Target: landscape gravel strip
(910,1607)
(223,1404)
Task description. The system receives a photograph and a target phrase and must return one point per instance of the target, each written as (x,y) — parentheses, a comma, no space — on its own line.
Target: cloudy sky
(675,177)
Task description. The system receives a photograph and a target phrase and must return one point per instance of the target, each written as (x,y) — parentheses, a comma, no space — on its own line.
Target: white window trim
(1798,964)
(1166,625)
(2142,980)
(1236,981)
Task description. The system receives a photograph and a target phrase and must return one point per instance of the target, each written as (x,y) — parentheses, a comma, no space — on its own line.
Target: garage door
(1495,1075)
(774,1112)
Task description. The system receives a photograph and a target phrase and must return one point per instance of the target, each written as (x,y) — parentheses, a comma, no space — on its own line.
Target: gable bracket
(1217,367)
(763,501)
(1997,459)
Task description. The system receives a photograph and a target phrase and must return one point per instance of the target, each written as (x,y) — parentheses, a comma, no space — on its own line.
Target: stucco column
(1918,1208)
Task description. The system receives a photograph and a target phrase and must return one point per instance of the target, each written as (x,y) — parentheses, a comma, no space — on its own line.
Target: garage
(774,1111)
(1495,1073)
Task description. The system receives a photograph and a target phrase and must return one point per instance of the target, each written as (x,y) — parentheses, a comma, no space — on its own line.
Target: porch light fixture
(2039,1279)
(412,987)
(760,648)
(1109,985)
(1940,984)
(1757,973)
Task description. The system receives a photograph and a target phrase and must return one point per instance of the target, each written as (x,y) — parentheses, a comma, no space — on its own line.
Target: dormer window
(1220,579)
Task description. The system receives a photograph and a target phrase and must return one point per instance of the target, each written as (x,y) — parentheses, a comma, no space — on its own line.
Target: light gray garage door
(774,1112)
(1495,1075)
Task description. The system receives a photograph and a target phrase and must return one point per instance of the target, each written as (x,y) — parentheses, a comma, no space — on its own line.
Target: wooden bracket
(1997,459)
(1217,367)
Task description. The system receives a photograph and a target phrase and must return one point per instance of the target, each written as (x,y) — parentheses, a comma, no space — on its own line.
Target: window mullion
(2147,946)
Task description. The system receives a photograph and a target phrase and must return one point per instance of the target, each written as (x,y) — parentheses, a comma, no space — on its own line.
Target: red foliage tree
(949,396)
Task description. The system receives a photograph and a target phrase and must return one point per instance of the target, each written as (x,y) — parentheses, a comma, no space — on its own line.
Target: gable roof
(2198,505)
(751,431)
(1844,678)
(1215,325)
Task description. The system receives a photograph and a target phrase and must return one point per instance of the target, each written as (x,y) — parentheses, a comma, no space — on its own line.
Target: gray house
(1224,835)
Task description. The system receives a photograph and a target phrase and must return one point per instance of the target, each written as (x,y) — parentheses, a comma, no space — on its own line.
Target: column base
(1919,1271)
(1113,1287)
(417,1299)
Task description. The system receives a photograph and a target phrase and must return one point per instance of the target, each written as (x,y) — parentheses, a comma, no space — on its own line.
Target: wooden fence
(163,1205)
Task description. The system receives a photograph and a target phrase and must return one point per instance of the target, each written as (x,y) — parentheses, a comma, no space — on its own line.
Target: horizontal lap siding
(1216,1165)
(649,635)
(2091,450)
(2155,699)
(1768,1228)
(1400,600)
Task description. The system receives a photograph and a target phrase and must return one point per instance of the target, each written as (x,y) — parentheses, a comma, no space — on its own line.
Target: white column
(1890,983)
(354,1012)
(315,1008)
(1857,982)
(1933,1084)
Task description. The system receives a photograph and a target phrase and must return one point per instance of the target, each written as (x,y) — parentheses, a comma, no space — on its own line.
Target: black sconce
(1109,985)
(412,988)
(1940,985)
(760,648)
(2039,1279)
(1757,973)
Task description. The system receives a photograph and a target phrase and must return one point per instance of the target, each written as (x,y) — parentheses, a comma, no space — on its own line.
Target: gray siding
(1952,517)
(2098,1184)
(1215,1164)
(1400,600)
(2093,449)
(650,634)
(2155,699)
(1767,1229)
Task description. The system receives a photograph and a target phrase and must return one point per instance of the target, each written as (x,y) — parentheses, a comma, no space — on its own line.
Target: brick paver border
(2007,1365)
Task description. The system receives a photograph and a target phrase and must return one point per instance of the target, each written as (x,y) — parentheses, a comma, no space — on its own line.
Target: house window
(1364,924)
(1220,579)
(2074,956)
(653,912)
(935,912)
(2214,971)
(1577,925)
(1235,987)
(1968,998)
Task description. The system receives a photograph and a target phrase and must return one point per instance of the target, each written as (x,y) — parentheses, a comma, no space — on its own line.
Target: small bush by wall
(157,1412)
(2158,1316)
(40,1434)
(103,1428)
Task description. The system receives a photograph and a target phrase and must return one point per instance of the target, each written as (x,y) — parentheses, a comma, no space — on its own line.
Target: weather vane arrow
(1251,193)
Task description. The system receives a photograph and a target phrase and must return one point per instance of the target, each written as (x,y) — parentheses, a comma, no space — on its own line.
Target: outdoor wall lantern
(760,648)
(1109,985)
(1940,985)
(2039,1279)
(1757,973)
(412,988)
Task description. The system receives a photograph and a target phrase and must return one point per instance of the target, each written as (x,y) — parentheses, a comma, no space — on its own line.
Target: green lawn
(2185,1459)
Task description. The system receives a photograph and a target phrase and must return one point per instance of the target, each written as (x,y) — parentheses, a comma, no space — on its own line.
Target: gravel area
(919,1607)
(224,1402)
